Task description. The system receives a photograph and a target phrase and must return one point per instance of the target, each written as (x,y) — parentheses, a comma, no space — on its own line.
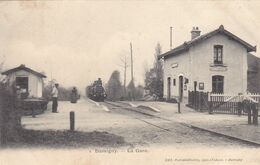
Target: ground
(106,125)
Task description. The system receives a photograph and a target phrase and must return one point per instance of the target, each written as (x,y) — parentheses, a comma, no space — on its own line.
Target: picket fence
(222,103)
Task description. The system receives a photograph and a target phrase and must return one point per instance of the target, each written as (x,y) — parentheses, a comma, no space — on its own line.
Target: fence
(198,100)
(221,103)
(231,104)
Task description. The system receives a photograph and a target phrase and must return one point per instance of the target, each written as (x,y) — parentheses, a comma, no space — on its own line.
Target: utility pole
(132,67)
(132,72)
(171,38)
(125,66)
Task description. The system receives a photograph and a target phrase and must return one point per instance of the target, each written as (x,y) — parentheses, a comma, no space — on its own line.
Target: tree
(131,90)
(124,64)
(64,93)
(154,76)
(10,110)
(139,92)
(114,87)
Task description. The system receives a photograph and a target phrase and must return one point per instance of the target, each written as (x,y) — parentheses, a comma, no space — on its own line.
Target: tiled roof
(186,45)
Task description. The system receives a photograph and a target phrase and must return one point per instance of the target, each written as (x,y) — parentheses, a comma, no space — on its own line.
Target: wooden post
(255,114)
(210,107)
(209,103)
(179,107)
(249,112)
(72,121)
(199,102)
(32,106)
(33,114)
(239,108)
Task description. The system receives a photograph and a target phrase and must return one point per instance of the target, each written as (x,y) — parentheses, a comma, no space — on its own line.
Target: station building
(213,62)
(28,80)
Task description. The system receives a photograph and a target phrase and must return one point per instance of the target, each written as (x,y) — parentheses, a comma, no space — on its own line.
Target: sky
(76,42)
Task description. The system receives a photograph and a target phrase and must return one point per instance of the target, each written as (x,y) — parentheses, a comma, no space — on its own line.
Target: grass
(65,139)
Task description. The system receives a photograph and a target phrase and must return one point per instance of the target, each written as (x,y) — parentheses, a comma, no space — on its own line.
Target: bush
(64,93)
(10,114)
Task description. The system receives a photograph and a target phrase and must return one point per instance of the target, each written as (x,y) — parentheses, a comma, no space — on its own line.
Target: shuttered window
(218,54)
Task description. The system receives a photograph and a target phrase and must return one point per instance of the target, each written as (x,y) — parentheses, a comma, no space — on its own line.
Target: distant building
(28,80)
(214,62)
(253,74)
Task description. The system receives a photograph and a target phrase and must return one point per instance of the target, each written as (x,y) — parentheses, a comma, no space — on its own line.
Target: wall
(234,58)
(196,65)
(173,71)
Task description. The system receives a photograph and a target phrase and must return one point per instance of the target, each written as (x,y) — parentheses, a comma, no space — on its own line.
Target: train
(96,91)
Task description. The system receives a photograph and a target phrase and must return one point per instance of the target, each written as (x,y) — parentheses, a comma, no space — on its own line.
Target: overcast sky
(77,42)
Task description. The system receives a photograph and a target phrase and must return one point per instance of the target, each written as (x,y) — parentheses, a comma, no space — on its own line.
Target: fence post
(33,113)
(192,99)
(199,105)
(179,107)
(196,100)
(72,121)
(248,112)
(239,108)
(255,114)
(210,103)
(189,98)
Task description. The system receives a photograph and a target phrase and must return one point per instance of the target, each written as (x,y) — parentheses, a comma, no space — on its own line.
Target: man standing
(55,93)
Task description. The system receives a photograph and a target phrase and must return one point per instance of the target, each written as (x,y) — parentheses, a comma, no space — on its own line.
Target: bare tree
(124,64)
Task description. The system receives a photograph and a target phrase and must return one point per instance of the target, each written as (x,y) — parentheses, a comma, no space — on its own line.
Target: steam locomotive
(96,91)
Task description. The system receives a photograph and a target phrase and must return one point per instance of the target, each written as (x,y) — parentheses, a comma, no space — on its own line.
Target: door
(168,88)
(180,88)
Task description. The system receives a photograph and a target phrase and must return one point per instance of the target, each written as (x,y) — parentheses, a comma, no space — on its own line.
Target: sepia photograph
(113,82)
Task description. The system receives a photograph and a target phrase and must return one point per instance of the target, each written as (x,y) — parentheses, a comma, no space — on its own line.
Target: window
(174,82)
(218,54)
(22,82)
(217,84)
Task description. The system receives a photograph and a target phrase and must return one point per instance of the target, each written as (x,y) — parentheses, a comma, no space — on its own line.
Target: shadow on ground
(65,139)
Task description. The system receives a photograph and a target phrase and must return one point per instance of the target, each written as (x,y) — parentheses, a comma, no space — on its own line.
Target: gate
(198,100)
(221,103)
(232,104)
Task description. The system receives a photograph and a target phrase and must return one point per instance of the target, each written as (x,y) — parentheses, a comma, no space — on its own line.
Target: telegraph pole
(132,67)
(132,73)
(125,66)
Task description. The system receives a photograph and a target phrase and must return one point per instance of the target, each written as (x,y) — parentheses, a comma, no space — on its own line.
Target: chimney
(195,32)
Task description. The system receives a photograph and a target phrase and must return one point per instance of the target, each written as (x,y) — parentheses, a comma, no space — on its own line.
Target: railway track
(131,109)
(124,106)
